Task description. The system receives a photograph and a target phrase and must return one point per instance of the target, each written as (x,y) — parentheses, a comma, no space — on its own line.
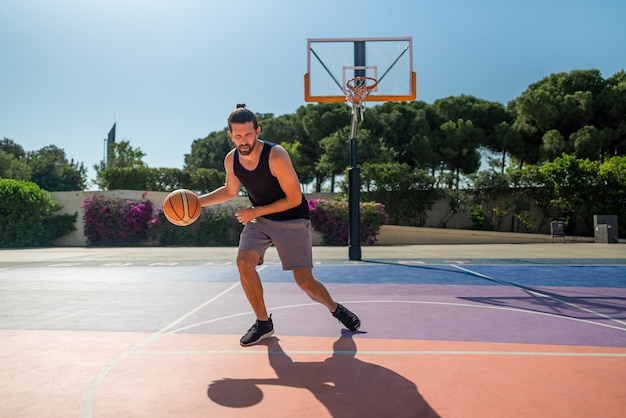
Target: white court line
(87,401)
(197,324)
(66,265)
(387,352)
(543,295)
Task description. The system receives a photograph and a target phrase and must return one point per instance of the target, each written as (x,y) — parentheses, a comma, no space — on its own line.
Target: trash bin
(602,234)
(605,227)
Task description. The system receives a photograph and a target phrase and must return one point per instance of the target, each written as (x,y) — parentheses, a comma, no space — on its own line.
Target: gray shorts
(291,238)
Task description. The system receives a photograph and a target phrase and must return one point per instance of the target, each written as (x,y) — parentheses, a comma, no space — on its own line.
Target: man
(279,215)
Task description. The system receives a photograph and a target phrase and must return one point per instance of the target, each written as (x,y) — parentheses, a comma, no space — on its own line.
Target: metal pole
(354,213)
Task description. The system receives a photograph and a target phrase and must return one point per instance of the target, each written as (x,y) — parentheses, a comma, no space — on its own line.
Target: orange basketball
(181,207)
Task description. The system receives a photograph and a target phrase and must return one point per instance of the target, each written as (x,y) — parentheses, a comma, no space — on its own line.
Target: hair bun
(241,105)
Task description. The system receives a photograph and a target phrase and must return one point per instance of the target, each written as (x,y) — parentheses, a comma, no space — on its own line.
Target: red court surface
(454,331)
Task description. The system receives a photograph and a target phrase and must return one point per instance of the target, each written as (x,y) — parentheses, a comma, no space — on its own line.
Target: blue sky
(169,71)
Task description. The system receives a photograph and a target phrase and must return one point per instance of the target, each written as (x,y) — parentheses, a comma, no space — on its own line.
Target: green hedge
(214,227)
(27,214)
(200,180)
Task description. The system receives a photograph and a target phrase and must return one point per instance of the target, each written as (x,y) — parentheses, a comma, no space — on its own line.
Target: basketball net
(358,88)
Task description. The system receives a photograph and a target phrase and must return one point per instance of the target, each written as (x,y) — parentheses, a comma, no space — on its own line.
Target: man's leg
(318,292)
(247,261)
(263,327)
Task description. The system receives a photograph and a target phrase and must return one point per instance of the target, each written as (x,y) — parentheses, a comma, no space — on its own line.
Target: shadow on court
(587,308)
(346,386)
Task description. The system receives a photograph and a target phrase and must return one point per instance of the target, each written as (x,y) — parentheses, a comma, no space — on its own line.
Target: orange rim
(355,87)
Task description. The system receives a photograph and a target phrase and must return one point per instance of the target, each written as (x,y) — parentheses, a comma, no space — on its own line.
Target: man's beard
(247,149)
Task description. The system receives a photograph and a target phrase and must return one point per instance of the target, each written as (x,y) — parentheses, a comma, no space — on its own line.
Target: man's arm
(229,190)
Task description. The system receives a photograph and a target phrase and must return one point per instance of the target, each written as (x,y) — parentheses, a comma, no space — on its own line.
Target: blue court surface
(526,274)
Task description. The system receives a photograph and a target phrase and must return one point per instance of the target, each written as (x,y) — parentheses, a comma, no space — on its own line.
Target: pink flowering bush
(330,219)
(115,222)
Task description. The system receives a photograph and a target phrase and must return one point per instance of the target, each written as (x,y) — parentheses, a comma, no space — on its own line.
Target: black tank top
(263,188)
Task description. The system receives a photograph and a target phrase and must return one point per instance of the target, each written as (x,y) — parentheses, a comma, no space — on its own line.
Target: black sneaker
(349,319)
(259,331)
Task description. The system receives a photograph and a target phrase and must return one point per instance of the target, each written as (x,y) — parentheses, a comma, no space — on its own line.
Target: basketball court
(447,331)
(535,330)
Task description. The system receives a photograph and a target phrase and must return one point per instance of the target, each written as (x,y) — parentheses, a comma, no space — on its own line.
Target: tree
(53,172)
(572,189)
(528,149)
(483,113)
(565,102)
(48,167)
(335,156)
(13,168)
(492,119)
(553,144)
(293,149)
(406,192)
(10,147)
(209,152)
(488,203)
(423,143)
(406,129)
(611,113)
(123,156)
(588,142)
(319,121)
(12,162)
(287,130)
(612,181)
(459,150)
(505,140)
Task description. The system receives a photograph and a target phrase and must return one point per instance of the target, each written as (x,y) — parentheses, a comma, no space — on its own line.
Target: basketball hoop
(357,88)
(349,70)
